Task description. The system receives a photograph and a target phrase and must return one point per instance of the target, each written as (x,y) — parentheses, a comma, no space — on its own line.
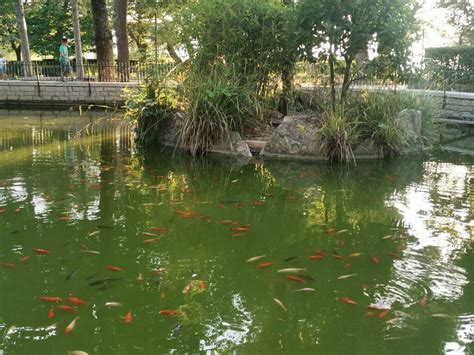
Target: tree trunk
(77,40)
(122,39)
(25,44)
(17,50)
(173,54)
(332,80)
(287,80)
(103,39)
(347,78)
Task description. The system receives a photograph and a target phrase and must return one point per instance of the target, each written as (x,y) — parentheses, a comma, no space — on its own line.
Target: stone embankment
(18,93)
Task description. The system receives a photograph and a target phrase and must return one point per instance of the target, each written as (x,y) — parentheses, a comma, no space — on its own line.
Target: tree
(103,39)
(461,16)
(25,45)
(77,39)
(9,30)
(340,28)
(122,39)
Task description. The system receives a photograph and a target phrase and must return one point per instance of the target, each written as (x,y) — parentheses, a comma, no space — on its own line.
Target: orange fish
(64,218)
(265,265)
(113,268)
(393,255)
(158,229)
(227,221)
(240,229)
(64,307)
(128,318)
(169,312)
(238,234)
(8,265)
(423,302)
(75,300)
(330,231)
(50,299)
(383,314)
(24,258)
(295,278)
(375,308)
(347,300)
(187,288)
(41,251)
(51,313)
(374,260)
(315,257)
(71,326)
(202,285)
(152,240)
(338,257)
(370,313)
(319,252)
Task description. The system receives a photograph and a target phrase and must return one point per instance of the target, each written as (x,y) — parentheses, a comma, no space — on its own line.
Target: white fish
(91,252)
(355,254)
(388,237)
(113,304)
(255,258)
(93,233)
(278,302)
(234,181)
(441,315)
(342,231)
(71,326)
(11,330)
(77,352)
(306,289)
(292,270)
(346,276)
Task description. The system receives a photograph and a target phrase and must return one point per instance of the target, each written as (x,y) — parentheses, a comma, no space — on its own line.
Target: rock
(367,150)
(232,145)
(295,138)
(409,122)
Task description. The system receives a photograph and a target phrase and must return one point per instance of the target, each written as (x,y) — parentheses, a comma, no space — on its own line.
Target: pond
(178,254)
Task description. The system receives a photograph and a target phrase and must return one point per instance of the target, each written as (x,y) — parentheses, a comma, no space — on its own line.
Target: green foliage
(453,67)
(461,16)
(216,104)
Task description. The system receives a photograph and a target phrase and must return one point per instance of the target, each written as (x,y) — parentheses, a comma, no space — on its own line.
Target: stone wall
(16,93)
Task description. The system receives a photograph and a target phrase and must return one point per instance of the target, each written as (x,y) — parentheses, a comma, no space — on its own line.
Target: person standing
(3,66)
(64,59)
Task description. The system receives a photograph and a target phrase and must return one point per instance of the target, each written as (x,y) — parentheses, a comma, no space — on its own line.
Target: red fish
(169,312)
(423,302)
(295,278)
(238,234)
(370,313)
(128,318)
(383,314)
(347,300)
(50,299)
(8,265)
(240,229)
(113,268)
(374,259)
(41,251)
(338,257)
(76,300)
(315,257)
(24,258)
(265,265)
(51,313)
(152,240)
(64,307)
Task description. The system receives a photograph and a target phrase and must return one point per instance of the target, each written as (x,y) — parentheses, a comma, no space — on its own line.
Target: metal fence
(95,72)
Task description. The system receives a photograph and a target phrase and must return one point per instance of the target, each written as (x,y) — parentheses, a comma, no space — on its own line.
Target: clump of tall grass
(216,102)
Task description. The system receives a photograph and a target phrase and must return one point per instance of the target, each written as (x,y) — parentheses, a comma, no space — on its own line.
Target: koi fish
(393,255)
(347,300)
(64,307)
(128,318)
(370,314)
(158,229)
(71,326)
(319,252)
(91,234)
(8,265)
(187,288)
(342,231)
(91,251)
(113,304)
(240,229)
(291,198)
(24,258)
(72,274)
(265,265)
(374,307)
(296,279)
(383,314)
(374,259)
(76,300)
(227,221)
(236,235)
(104,281)
(278,302)
(315,257)
(306,289)
(337,257)
(152,240)
(202,285)
(290,258)
(41,251)
(423,302)
(113,268)
(150,234)
(346,276)
(255,258)
(292,270)
(50,299)
(64,218)
(139,278)
(330,231)
(169,312)
(353,255)
(51,313)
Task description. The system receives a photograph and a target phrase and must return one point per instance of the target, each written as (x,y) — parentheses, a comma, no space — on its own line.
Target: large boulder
(232,145)
(295,138)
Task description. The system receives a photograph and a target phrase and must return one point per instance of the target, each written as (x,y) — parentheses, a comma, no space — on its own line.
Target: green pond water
(400,233)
